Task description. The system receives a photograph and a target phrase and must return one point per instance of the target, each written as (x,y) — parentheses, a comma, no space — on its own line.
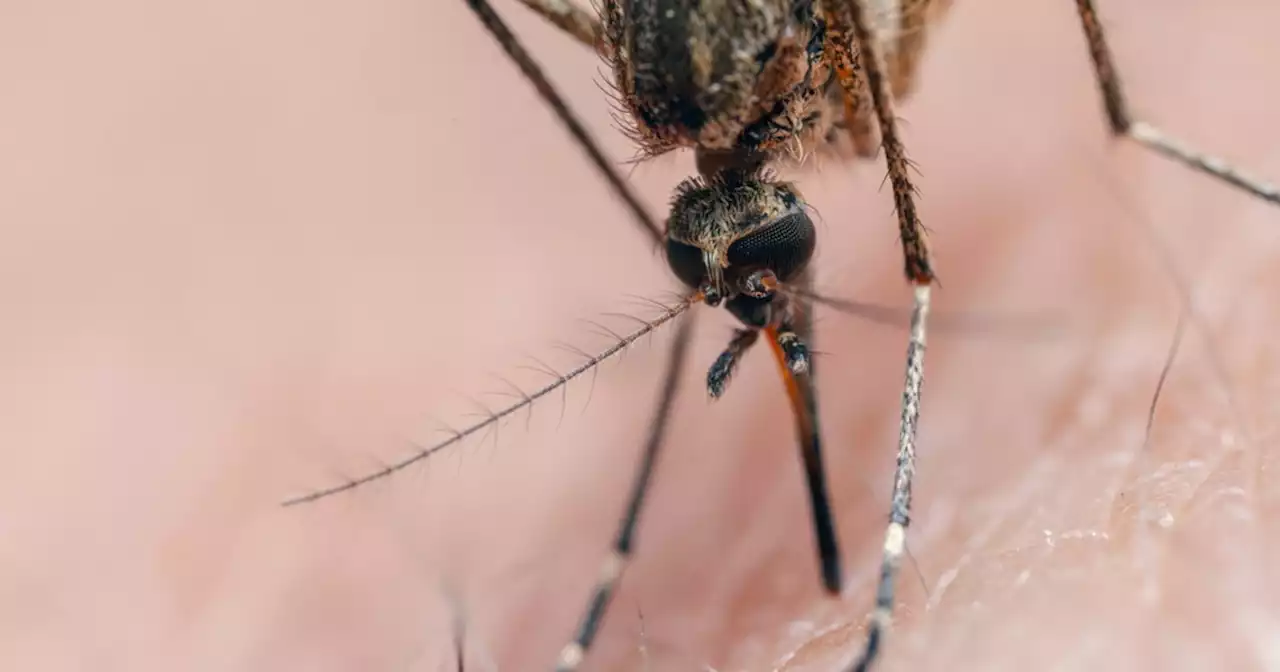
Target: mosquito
(748,84)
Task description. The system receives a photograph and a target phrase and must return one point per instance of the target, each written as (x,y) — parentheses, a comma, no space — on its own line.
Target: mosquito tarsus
(745,84)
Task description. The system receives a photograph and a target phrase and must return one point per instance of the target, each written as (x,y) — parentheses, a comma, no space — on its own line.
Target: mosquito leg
(580,23)
(459,644)
(904,31)
(791,354)
(895,538)
(722,369)
(850,16)
(572,654)
(859,110)
(1124,125)
(533,72)
(846,17)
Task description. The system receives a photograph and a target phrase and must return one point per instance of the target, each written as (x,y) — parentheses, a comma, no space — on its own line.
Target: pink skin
(252,248)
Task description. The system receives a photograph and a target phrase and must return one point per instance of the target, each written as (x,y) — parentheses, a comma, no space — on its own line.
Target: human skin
(254,249)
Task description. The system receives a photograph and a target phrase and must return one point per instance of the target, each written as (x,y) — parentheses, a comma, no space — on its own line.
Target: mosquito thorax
(736,233)
(710,74)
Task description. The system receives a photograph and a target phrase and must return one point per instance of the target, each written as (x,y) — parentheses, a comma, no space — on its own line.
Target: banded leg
(620,554)
(851,16)
(1124,125)
(580,23)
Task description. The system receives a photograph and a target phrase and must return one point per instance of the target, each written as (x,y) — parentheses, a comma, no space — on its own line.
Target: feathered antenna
(490,418)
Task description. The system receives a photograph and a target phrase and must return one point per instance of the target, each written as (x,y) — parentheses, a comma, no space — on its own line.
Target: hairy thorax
(721,75)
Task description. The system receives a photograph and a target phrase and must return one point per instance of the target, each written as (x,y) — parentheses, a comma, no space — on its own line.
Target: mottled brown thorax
(716,74)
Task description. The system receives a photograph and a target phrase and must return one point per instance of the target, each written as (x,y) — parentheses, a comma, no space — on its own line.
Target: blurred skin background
(251,249)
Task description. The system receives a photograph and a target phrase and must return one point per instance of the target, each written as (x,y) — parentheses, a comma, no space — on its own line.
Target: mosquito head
(738,234)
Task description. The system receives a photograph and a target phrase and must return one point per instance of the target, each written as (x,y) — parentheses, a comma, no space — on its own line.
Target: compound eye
(686,262)
(783,246)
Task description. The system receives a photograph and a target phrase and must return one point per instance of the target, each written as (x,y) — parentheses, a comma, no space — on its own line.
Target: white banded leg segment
(620,551)
(895,538)
(572,654)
